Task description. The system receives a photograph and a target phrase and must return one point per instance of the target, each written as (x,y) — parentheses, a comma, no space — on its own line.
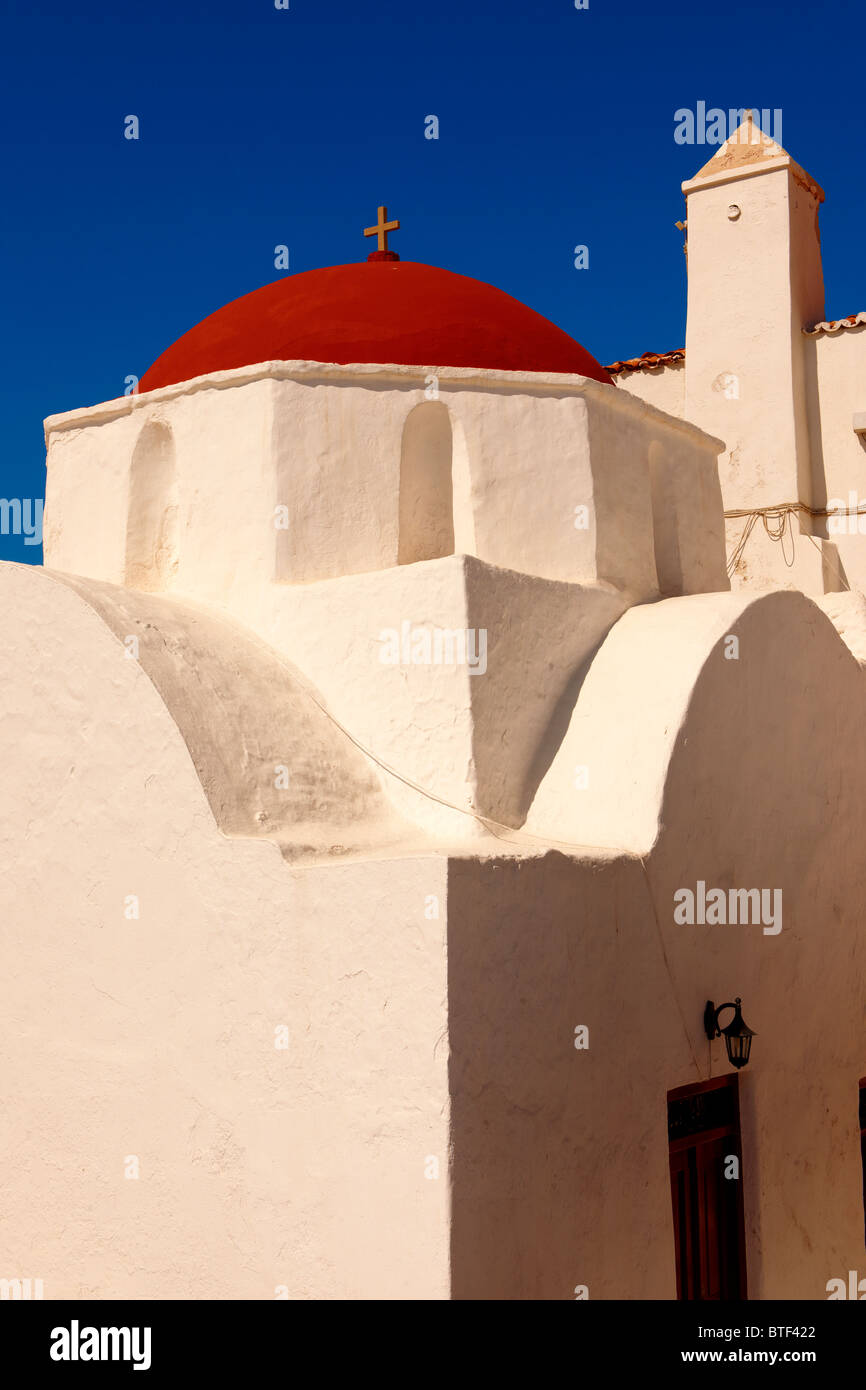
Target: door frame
(729,1081)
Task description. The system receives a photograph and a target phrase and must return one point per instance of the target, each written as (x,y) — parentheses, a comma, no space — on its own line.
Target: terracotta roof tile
(832,325)
(651,361)
(648,361)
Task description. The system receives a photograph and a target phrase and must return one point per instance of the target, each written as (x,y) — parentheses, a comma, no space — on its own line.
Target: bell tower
(755,282)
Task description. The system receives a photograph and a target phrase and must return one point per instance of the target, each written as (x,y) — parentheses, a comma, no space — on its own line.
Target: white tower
(755,282)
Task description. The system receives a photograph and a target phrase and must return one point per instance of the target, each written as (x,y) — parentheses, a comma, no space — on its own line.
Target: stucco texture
(430,1130)
(153,1037)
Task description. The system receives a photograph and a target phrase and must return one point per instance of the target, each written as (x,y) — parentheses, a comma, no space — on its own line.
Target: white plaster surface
(155,1037)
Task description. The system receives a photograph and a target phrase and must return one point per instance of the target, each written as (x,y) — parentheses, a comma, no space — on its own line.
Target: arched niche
(152,516)
(426,506)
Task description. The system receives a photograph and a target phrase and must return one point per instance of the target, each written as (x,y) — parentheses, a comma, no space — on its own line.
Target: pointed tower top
(746,145)
(749,150)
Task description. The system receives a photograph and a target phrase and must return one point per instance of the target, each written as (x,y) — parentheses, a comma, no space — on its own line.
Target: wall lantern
(738,1035)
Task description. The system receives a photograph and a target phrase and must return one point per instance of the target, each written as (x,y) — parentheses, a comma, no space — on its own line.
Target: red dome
(374,311)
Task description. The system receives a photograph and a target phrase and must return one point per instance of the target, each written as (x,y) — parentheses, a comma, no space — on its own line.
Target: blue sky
(261,127)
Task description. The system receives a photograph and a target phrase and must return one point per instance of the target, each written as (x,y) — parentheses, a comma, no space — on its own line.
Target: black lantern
(738,1035)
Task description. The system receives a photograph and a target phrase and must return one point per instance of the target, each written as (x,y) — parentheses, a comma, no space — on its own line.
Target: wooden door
(704,1136)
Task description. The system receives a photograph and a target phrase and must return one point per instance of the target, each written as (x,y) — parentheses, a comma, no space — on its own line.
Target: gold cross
(381,229)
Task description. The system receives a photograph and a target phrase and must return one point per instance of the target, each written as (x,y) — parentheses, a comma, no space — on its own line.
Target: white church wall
(634,702)
(838,369)
(520,470)
(662,387)
(767,788)
(625,720)
(295,468)
(540,635)
(167,1145)
(530,471)
(87,493)
(366,642)
(560,484)
(580,1193)
(336,452)
(270,761)
(100,467)
(225,472)
(554,473)
(807,307)
(619,446)
(708,746)
(666,530)
(584,1195)
(559,1156)
(689,765)
(438,717)
(687,513)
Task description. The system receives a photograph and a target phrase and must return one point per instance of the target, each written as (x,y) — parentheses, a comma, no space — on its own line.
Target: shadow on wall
(817,481)
(669,566)
(556,730)
(152,511)
(559,1162)
(426,519)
